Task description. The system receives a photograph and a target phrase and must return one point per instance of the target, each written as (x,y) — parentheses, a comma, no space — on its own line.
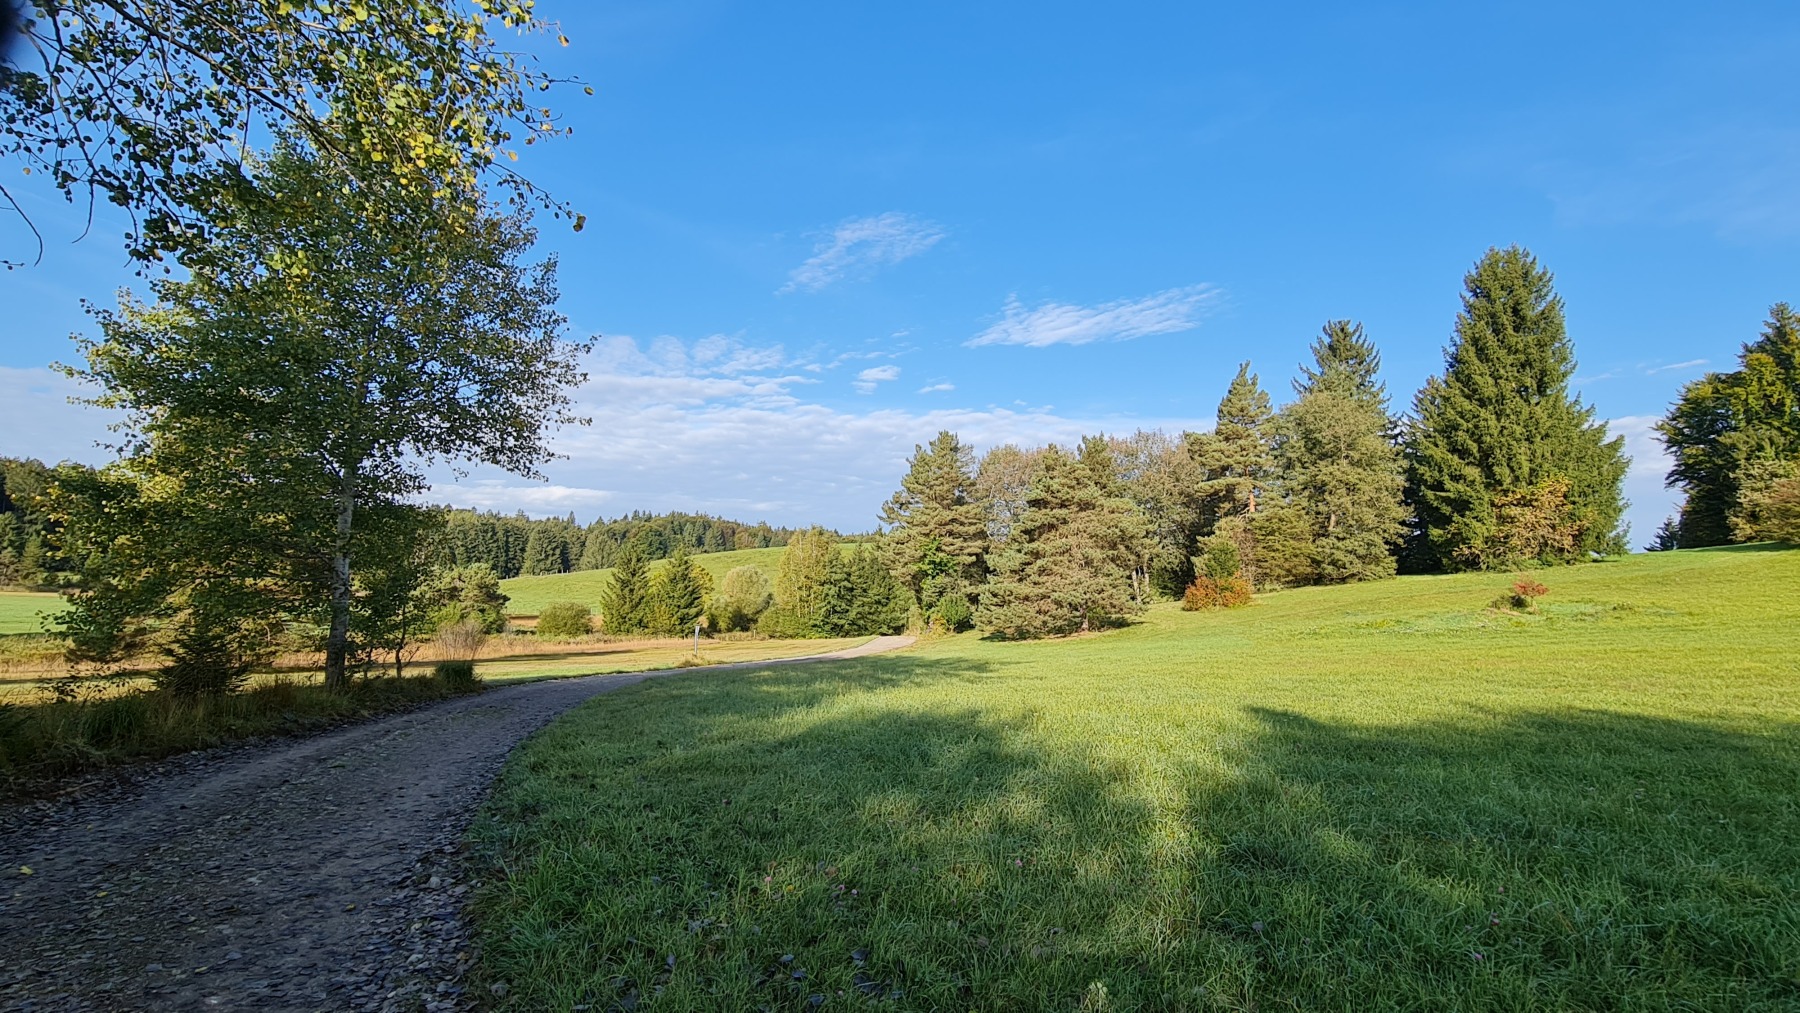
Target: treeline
(1496,466)
(819,591)
(1735,438)
(516,545)
(27,530)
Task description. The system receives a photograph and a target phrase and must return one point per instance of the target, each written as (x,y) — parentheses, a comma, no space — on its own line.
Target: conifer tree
(1345,360)
(937,532)
(1342,480)
(625,606)
(1505,466)
(862,597)
(1068,565)
(1235,459)
(545,552)
(677,597)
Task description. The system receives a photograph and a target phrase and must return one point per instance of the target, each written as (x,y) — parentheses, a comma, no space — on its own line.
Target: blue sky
(818,233)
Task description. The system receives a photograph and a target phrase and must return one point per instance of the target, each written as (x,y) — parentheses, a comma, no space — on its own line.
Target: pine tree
(1342,477)
(1732,433)
(1504,466)
(624,607)
(677,597)
(937,533)
(1068,566)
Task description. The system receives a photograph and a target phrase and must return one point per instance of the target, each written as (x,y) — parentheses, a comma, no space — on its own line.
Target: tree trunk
(337,644)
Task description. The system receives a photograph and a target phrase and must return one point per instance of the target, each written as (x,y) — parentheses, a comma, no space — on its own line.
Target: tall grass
(41,742)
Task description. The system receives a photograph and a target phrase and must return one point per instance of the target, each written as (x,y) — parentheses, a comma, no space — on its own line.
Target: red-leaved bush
(1523,596)
(1216,593)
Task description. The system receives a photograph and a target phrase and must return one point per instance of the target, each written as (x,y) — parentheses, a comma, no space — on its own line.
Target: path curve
(310,874)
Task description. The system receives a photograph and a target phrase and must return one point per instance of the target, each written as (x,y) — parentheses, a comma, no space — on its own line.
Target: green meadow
(20,611)
(529,595)
(1378,797)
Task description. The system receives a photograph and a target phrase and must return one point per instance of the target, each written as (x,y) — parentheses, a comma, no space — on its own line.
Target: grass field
(19,611)
(530,594)
(1381,797)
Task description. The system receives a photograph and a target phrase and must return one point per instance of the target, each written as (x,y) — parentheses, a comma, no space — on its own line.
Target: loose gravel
(319,874)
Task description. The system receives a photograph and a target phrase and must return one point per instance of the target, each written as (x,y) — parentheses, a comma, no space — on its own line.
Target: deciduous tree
(332,340)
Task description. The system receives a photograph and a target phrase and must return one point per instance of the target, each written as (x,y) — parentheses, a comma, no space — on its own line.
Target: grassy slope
(19,611)
(1373,797)
(530,594)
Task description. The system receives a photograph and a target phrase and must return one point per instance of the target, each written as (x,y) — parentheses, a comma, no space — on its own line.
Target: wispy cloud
(934,388)
(1690,364)
(862,244)
(868,378)
(1177,309)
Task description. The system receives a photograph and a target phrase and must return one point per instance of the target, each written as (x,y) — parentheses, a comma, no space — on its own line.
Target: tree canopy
(150,104)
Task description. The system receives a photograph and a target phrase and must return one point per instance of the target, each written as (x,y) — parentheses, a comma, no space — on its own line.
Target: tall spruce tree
(545,552)
(1505,466)
(624,608)
(1733,434)
(1345,360)
(1068,565)
(862,597)
(937,534)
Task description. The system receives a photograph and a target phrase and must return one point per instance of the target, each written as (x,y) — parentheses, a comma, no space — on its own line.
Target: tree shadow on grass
(850,833)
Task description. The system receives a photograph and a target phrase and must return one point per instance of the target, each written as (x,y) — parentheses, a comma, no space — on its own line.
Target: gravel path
(317,874)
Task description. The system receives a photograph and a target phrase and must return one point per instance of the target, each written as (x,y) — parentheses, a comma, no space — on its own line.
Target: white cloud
(1650,501)
(862,244)
(1177,309)
(1690,364)
(37,420)
(934,388)
(868,378)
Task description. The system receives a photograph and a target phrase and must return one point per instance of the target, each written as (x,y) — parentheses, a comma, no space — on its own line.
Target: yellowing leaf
(24,870)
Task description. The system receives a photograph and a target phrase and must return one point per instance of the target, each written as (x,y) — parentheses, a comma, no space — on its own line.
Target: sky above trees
(818,234)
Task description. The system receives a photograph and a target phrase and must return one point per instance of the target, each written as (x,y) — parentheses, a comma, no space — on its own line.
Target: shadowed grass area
(1292,806)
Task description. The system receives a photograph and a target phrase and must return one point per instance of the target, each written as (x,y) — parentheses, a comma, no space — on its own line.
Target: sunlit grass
(529,595)
(1374,797)
(21,611)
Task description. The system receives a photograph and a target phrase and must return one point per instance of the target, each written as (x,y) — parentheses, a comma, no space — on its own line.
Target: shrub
(457,676)
(1523,596)
(784,624)
(953,613)
(203,661)
(1216,593)
(564,620)
(461,640)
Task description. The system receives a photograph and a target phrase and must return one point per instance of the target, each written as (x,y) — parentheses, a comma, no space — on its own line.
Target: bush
(461,640)
(1523,596)
(203,662)
(1216,593)
(457,676)
(784,624)
(565,620)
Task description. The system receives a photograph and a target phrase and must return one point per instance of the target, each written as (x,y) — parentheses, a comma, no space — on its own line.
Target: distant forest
(519,546)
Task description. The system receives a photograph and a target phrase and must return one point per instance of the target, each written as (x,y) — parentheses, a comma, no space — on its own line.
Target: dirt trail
(317,874)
